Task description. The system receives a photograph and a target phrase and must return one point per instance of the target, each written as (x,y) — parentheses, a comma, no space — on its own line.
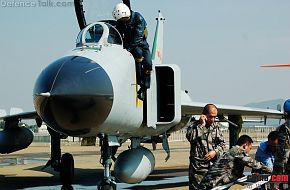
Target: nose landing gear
(63,164)
(108,182)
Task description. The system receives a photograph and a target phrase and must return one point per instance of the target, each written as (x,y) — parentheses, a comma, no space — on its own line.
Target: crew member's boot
(141,93)
(145,84)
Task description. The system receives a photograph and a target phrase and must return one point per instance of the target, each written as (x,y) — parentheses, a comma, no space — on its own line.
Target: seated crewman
(266,150)
(230,166)
(132,27)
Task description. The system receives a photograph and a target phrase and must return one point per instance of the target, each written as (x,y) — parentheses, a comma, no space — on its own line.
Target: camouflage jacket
(204,139)
(229,167)
(284,146)
(284,136)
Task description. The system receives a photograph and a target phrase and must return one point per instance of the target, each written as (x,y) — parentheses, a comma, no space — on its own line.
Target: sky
(219,45)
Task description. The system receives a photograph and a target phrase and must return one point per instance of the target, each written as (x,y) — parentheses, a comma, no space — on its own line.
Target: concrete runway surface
(22,169)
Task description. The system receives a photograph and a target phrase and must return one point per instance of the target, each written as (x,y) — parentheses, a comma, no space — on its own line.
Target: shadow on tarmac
(89,177)
(159,186)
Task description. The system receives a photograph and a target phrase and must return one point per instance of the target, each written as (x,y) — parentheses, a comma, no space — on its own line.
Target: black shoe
(141,95)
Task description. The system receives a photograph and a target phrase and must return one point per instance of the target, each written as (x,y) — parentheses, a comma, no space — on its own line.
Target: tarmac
(22,169)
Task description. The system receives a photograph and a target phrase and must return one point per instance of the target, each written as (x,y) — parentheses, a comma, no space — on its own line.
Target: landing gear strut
(63,164)
(108,182)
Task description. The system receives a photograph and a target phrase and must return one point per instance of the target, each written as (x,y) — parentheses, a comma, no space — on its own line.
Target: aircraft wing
(189,107)
(13,136)
(22,115)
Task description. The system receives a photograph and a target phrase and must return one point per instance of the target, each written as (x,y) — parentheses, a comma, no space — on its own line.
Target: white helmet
(120,11)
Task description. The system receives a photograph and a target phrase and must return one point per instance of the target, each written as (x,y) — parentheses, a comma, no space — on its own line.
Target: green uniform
(202,140)
(229,167)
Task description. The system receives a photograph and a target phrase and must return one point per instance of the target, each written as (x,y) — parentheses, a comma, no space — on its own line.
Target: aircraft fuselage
(90,90)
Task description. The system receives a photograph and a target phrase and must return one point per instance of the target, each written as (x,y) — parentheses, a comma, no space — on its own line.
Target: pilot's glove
(147,72)
(139,60)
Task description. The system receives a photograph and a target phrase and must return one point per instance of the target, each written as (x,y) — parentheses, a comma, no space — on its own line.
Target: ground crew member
(230,166)
(267,150)
(282,161)
(266,153)
(206,142)
(281,164)
(132,27)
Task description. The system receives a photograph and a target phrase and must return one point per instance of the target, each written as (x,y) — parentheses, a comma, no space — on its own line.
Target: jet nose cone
(73,95)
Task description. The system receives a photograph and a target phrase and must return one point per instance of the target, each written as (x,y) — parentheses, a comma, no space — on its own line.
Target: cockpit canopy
(98,33)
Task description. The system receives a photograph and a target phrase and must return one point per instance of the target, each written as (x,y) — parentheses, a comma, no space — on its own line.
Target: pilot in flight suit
(132,27)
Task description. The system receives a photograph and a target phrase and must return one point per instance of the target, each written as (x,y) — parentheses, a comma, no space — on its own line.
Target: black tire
(106,187)
(67,187)
(67,169)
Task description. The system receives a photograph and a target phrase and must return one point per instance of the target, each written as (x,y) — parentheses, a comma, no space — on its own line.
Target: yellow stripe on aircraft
(139,103)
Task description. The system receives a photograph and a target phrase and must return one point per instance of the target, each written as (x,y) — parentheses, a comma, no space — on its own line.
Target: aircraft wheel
(106,187)
(66,169)
(67,187)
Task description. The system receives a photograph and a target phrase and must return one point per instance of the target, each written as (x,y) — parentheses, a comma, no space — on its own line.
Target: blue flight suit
(264,155)
(134,38)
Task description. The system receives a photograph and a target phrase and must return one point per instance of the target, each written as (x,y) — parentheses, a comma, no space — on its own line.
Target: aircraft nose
(73,95)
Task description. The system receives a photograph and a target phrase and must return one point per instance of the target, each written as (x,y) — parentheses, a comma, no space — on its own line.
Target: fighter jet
(92,91)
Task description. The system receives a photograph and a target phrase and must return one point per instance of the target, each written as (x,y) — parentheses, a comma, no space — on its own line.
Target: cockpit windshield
(90,34)
(99,33)
(94,34)
(114,35)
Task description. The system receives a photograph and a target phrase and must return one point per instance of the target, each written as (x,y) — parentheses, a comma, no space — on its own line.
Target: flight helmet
(120,11)
(286,107)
